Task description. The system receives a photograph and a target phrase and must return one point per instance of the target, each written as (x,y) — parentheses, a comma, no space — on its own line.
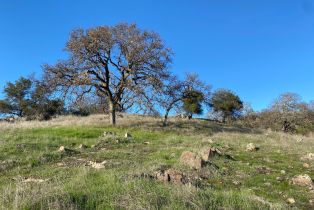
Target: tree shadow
(201,126)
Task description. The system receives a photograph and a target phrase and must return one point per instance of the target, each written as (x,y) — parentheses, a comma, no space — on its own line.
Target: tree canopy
(226,102)
(120,62)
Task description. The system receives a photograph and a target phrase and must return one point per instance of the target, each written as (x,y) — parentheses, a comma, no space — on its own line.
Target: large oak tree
(120,62)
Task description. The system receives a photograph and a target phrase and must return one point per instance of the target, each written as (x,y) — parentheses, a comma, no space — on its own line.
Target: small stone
(127,135)
(300,140)
(306,165)
(82,146)
(280,179)
(190,159)
(251,147)
(283,172)
(268,184)
(236,183)
(97,165)
(146,142)
(309,156)
(302,180)
(290,201)
(32,180)
(109,133)
(61,149)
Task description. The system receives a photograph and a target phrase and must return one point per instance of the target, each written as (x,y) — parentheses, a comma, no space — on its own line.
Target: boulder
(190,159)
(208,153)
(302,180)
(251,147)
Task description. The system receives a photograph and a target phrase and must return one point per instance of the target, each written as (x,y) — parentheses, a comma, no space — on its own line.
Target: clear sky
(257,48)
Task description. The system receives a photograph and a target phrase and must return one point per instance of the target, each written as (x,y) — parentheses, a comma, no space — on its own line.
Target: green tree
(43,107)
(227,103)
(17,97)
(31,99)
(192,102)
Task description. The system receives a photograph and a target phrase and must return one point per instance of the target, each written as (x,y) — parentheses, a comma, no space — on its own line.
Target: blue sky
(258,48)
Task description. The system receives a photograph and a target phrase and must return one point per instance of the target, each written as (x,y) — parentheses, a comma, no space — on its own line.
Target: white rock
(290,201)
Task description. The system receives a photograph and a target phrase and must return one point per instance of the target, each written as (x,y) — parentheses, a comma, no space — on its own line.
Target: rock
(300,140)
(268,184)
(109,133)
(174,176)
(171,175)
(236,183)
(309,156)
(302,180)
(61,149)
(251,147)
(290,201)
(82,146)
(60,164)
(283,172)
(67,151)
(280,179)
(127,135)
(306,165)
(208,153)
(160,176)
(97,165)
(190,159)
(32,180)
(263,170)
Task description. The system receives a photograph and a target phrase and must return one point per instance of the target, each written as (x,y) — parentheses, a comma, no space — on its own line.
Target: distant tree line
(287,113)
(122,68)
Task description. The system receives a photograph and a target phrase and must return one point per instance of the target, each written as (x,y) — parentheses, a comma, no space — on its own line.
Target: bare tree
(118,62)
(170,95)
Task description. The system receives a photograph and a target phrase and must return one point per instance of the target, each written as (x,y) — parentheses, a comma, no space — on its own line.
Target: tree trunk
(112,113)
(166,118)
(190,116)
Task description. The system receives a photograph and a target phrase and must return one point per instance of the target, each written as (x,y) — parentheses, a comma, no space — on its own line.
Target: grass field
(35,175)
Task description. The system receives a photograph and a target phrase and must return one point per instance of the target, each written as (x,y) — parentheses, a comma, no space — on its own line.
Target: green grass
(33,153)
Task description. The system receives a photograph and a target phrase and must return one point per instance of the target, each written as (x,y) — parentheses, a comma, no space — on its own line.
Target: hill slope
(115,172)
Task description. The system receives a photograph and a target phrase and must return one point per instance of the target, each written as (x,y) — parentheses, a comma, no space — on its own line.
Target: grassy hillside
(35,175)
